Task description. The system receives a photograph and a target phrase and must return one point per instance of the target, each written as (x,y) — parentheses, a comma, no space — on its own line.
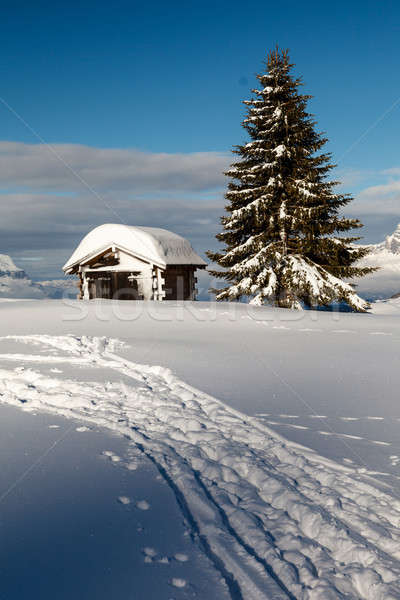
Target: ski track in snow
(284,423)
(277,520)
(315,329)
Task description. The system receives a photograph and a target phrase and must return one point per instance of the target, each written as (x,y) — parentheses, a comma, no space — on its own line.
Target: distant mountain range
(384,283)
(15,283)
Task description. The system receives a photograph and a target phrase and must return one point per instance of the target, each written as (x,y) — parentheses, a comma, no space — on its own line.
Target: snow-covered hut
(135,263)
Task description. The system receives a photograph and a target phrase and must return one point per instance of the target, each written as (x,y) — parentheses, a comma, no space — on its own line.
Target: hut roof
(156,245)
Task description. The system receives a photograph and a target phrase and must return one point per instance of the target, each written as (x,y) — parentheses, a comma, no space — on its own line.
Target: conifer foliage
(283,234)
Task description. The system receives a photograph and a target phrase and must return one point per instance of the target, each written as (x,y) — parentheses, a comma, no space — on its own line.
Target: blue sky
(169,78)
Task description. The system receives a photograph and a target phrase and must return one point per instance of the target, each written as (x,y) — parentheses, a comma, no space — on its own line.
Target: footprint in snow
(124,500)
(379,333)
(284,424)
(82,429)
(342,331)
(132,466)
(149,554)
(113,457)
(180,557)
(288,416)
(178,582)
(142,505)
(381,443)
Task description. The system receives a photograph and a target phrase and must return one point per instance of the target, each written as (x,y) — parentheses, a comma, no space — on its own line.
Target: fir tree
(283,233)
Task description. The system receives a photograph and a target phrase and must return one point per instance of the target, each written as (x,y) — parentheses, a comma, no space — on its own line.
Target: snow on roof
(7,264)
(159,246)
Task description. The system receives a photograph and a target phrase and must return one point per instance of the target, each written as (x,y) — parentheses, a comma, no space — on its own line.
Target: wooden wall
(179,283)
(175,283)
(111,285)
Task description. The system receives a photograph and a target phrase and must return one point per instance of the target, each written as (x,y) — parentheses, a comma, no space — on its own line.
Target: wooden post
(160,285)
(80,286)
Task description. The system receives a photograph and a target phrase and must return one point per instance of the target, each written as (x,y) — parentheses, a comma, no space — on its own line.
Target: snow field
(276,519)
(71,496)
(359,433)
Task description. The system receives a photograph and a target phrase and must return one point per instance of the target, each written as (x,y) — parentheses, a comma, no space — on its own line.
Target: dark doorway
(178,283)
(117,286)
(99,285)
(125,287)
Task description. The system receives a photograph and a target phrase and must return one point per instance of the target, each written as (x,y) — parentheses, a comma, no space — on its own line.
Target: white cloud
(350,177)
(383,199)
(386,189)
(72,166)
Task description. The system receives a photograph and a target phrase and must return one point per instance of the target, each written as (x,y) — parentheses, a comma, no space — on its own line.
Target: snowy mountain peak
(392,242)
(390,245)
(9,269)
(7,264)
